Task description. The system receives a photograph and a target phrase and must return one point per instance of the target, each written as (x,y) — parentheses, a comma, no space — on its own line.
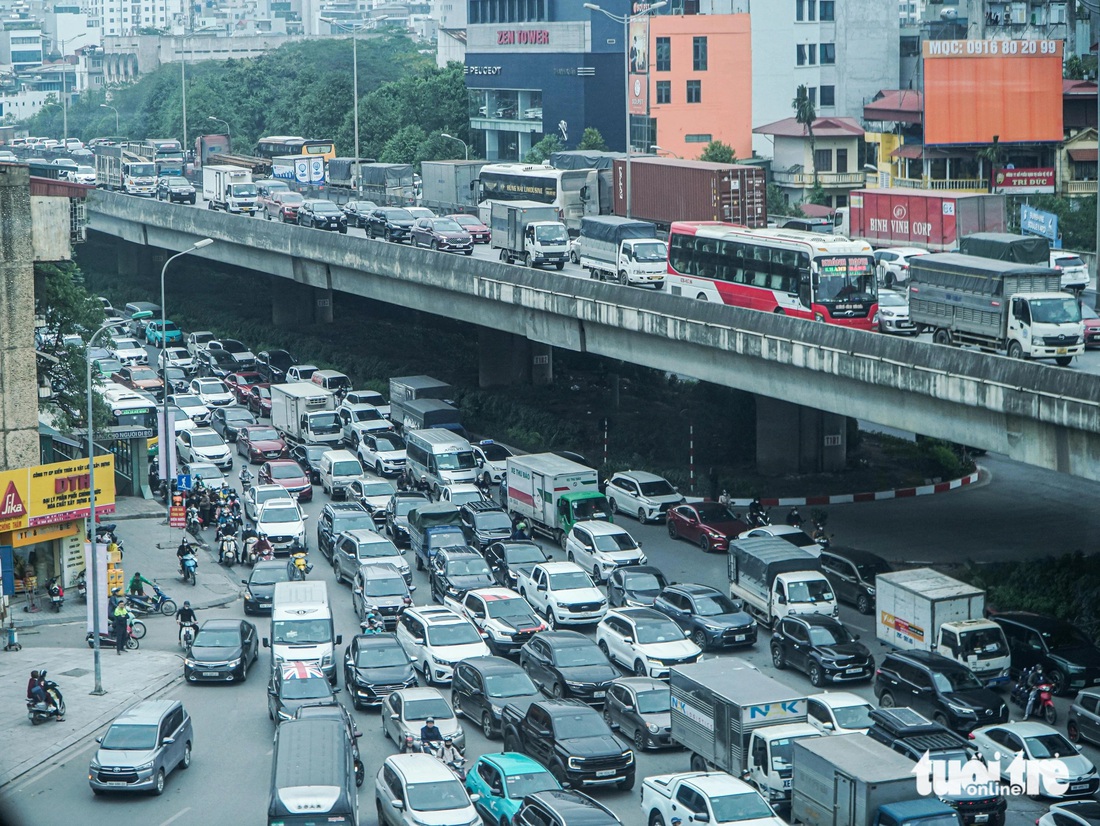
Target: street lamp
(626,20)
(229,137)
(453,138)
(660,149)
(354,87)
(64,84)
(113,109)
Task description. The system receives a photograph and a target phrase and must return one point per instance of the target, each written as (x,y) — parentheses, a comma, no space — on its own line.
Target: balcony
(828,180)
(1079,187)
(965,184)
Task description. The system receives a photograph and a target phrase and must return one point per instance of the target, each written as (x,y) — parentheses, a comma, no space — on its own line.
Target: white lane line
(176,816)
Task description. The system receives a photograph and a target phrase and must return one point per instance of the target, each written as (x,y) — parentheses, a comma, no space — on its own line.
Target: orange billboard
(977,89)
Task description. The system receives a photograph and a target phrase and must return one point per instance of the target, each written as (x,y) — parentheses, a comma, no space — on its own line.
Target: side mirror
(167,741)
(701,817)
(828,726)
(266,642)
(412,588)
(856,637)
(540,587)
(780,599)
(475,797)
(398,804)
(99,739)
(339,639)
(395,717)
(244,582)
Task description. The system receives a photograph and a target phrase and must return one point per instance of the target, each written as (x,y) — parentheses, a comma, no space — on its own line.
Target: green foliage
(718,152)
(1076,217)
(1080,68)
(817,193)
(402,147)
(592,140)
(778,204)
(541,151)
(929,458)
(805,113)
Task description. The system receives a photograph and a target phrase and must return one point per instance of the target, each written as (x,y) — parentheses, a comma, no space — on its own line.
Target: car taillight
(970,736)
(905,266)
(878,672)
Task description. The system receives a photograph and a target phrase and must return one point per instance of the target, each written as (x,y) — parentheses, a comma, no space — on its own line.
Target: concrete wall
(1034,413)
(51,217)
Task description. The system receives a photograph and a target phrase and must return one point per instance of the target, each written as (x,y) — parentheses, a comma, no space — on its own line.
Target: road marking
(176,816)
(63,759)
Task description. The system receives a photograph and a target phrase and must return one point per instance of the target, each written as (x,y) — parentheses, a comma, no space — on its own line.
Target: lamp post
(626,20)
(465,148)
(1093,7)
(660,149)
(113,109)
(64,84)
(227,133)
(354,88)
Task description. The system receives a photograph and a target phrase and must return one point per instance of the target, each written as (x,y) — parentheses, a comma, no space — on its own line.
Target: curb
(875,496)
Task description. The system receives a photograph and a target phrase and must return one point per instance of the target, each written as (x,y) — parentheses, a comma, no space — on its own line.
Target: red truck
(927,219)
(663,190)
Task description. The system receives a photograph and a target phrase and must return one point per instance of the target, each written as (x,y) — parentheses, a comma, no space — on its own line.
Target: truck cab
(545,242)
(580,507)
(770,764)
(980,645)
(1045,325)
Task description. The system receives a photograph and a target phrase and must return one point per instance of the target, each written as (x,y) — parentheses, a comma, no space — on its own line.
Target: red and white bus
(802,274)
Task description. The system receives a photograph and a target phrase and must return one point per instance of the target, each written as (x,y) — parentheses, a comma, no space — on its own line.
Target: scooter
(227,554)
(82,587)
(194,524)
(105,535)
(1043,706)
(189,563)
(249,553)
(39,712)
(187,637)
(56,594)
(158,603)
(299,566)
(107,639)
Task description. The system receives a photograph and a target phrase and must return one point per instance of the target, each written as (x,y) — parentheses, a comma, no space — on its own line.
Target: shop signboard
(13,499)
(60,492)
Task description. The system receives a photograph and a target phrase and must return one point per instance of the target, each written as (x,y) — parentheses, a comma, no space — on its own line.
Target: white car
(212,392)
(425,789)
(300,372)
(460,494)
(357,419)
(371,397)
(83,175)
(353,549)
(1041,744)
(192,407)
(893,314)
(284,523)
(644,641)
(437,639)
(644,495)
(405,710)
(128,350)
(73,143)
(838,712)
(796,536)
(501,614)
(601,547)
(203,445)
(492,460)
(1071,813)
(382,452)
(197,341)
(259,495)
(562,593)
(892,264)
(1075,274)
(176,357)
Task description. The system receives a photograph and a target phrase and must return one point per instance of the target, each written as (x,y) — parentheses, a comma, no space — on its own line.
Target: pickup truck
(691,797)
(572,741)
(502,615)
(562,593)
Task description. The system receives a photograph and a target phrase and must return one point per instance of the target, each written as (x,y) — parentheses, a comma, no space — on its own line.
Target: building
(21,44)
(450,47)
(122,17)
(832,158)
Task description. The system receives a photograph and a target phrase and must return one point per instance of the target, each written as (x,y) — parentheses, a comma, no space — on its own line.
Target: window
(828,54)
(841,154)
(699,54)
(800,9)
(811,53)
(707,138)
(695,91)
(828,96)
(664,91)
(825,10)
(800,55)
(823,160)
(811,10)
(664,54)
(811,94)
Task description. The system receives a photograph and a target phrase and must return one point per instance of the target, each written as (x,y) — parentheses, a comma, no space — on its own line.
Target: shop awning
(1082,155)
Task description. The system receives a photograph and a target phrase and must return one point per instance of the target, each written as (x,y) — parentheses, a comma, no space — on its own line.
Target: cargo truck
(773,578)
(927,219)
(419,414)
(341,172)
(388,184)
(229,188)
(528,231)
(431,527)
(663,190)
(121,171)
(623,250)
(1004,246)
(450,186)
(207,145)
(407,389)
(553,493)
(602,162)
(304,413)
(925,610)
(997,306)
(740,721)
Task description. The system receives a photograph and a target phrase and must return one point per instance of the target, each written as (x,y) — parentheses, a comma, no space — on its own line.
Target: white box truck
(925,610)
(773,578)
(553,493)
(304,413)
(229,188)
(623,250)
(530,232)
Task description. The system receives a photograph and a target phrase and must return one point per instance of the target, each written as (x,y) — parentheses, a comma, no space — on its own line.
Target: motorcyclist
(185,617)
(137,583)
(794,518)
(724,499)
(246,478)
(449,754)
(520,529)
(1035,678)
(264,549)
(756,512)
(430,733)
(372,624)
(226,542)
(183,550)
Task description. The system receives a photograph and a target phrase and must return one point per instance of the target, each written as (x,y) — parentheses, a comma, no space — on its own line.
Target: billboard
(1024,181)
(977,89)
(638,102)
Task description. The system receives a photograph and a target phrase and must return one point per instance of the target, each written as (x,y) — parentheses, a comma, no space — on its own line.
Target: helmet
(116,590)
(448,739)
(187,603)
(430,721)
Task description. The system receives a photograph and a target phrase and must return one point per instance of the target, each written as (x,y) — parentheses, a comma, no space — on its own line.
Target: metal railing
(974,184)
(806,179)
(1079,187)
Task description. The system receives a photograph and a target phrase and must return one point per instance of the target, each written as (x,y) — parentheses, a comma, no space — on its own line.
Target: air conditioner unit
(949,14)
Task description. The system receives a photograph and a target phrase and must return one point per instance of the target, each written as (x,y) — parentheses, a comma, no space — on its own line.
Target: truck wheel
(593,274)
(698,764)
(504,257)
(209,204)
(560,536)
(777,658)
(1015,351)
(1063,361)
(886,700)
(560,265)
(623,279)
(863,604)
(529,261)
(941,336)
(419,563)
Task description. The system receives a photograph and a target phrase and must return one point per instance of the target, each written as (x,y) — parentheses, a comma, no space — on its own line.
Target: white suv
(645,495)
(417,789)
(437,639)
(644,641)
(601,547)
(562,593)
(203,445)
(1075,275)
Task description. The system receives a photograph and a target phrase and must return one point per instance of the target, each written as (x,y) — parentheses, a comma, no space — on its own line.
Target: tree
(817,194)
(806,114)
(403,146)
(778,203)
(718,152)
(592,140)
(541,151)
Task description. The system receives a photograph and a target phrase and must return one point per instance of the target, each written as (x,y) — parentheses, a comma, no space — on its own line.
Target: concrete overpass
(1034,413)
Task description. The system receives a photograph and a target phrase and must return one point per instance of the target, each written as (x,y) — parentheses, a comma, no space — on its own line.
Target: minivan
(301,626)
(440,457)
(137,325)
(142,747)
(338,468)
(332,380)
(313,773)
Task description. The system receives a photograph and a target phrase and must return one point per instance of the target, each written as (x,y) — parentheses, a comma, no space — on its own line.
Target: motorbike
(187,637)
(158,603)
(194,524)
(227,553)
(107,639)
(56,593)
(1043,706)
(246,479)
(819,536)
(189,564)
(39,712)
(299,566)
(249,554)
(82,586)
(456,765)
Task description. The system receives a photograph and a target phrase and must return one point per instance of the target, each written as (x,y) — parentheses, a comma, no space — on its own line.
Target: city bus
(279,145)
(574,192)
(125,408)
(802,274)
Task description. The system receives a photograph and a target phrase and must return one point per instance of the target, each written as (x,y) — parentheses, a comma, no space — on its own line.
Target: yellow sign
(60,492)
(43,533)
(13,499)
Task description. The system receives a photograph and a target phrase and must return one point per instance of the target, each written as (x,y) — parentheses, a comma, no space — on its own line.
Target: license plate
(116,783)
(606,773)
(739,638)
(853,670)
(211,674)
(1078,787)
(600,694)
(982,818)
(1061,351)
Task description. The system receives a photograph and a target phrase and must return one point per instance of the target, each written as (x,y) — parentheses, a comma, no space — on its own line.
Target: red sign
(523,37)
(1013,181)
(12,504)
(177,516)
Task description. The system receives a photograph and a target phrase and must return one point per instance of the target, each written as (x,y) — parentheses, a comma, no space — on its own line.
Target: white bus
(575,192)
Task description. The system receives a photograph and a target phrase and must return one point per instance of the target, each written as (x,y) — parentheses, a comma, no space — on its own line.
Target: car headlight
(496,712)
(653,728)
(574,763)
(144,766)
(234,663)
(438,661)
(603,603)
(871,590)
(1075,669)
(285,715)
(325,660)
(94,767)
(575,686)
(190,663)
(628,756)
(562,604)
(960,709)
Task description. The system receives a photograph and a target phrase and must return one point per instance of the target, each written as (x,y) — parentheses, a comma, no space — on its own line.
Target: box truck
(927,219)
(624,250)
(773,578)
(229,188)
(450,186)
(552,493)
(117,169)
(304,413)
(530,232)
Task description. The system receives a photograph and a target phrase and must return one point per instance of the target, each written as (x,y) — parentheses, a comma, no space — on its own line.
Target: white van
(337,469)
(332,380)
(301,627)
(439,456)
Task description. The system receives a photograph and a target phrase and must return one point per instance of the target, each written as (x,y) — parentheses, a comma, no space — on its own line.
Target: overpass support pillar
(505,358)
(795,439)
(322,305)
(134,259)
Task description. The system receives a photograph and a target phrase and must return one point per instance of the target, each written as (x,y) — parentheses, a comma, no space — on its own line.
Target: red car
(142,378)
(287,474)
(707,524)
(240,384)
(258,442)
(259,400)
(472,224)
(1092,326)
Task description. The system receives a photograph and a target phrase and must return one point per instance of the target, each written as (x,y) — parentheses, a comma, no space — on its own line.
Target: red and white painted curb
(876,496)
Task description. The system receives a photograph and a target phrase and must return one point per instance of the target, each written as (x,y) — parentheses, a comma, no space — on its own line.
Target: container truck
(1004,246)
(229,188)
(740,721)
(602,162)
(623,249)
(450,186)
(530,232)
(341,172)
(207,145)
(304,413)
(117,169)
(997,306)
(925,610)
(388,184)
(553,493)
(663,190)
(773,578)
(926,219)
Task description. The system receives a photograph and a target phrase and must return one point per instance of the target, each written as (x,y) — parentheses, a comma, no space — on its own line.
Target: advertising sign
(638,44)
(13,498)
(177,516)
(1024,181)
(1037,222)
(60,492)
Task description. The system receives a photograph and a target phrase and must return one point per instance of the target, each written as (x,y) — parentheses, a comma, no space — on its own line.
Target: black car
(374,666)
(635,586)
(484,523)
(442,234)
(308,458)
(568,664)
(240,353)
(296,684)
(222,651)
(337,517)
(175,379)
(397,515)
(852,574)
(320,213)
(228,421)
(939,688)
(639,707)
(454,571)
(273,364)
(714,620)
(506,558)
(259,589)
(391,223)
(564,807)
(483,686)
(1070,659)
(215,364)
(323,711)
(822,649)
(175,189)
(357,212)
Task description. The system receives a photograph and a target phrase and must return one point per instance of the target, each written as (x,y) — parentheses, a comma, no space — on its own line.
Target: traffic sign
(177,516)
(183,481)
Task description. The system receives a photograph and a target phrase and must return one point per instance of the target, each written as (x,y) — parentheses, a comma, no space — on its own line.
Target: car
(568,664)
(565,807)
(405,710)
(413,789)
(335,519)
(1071,813)
(258,401)
(176,190)
(838,712)
(418,212)
(443,234)
(371,397)
(141,747)
(258,495)
(203,445)
(197,341)
(461,493)
(222,651)
(1075,273)
(635,586)
(893,314)
(257,442)
(240,384)
(939,688)
(380,589)
(639,708)
(284,524)
(295,684)
(472,224)
(397,514)
(563,593)
(484,523)
(506,559)
(176,357)
(107,366)
(357,547)
(1084,718)
(454,571)
(503,617)
(287,474)
(266,188)
(357,419)
(492,461)
(375,666)
(137,325)
(796,536)
(357,212)
(140,378)
(211,392)
(534,113)
(645,642)
(892,264)
(259,588)
(852,574)
(601,547)
(209,474)
(215,364)
(300,372)
(128,350)
(710,525)
(1070,659)
(384,452)
(283,205)
(1092,326)
(502,781)
(1073,774)
(714,620)
(392,223)
(228,421)
(158,337)
(644,495)
(244,358)
(821,648)
(308,458)
(438,638)
(273,364)
(321,213)
(372,494)
(181,422)
(483,686)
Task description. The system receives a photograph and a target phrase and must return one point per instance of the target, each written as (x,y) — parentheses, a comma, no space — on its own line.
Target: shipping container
(450,186)
(930,220)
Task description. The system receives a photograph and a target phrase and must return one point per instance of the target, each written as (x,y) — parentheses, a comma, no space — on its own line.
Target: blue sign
(183,481)
(1037,222)
(7,571)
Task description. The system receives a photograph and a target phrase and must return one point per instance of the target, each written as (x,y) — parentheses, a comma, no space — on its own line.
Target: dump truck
(530,232)
(623,250)
(553,493)
(773,578)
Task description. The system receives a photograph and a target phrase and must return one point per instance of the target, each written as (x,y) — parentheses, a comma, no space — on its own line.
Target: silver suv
(142,747)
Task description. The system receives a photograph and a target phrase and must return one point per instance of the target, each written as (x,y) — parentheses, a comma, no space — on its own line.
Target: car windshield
(437,797)
(290,199)
(280,515)
(301,632)
(453,633)
(1055,310)
(350,467)
(143,375)
(845,278)
(659,487)
(452,538)
(262,392)
(521,785)
(207,440)
(714,604)
(584,654)
(515,609)
(495,452)
(244,190)
(186,401)
(651,251)
(377,488)
(983,641)
(615,542)
(238,416)
(269,576)
(1048,746)
(403,506)
(375,550)
(322,423)
(955,679)
(653,702)
(829,635)
(642,582)
(217,638)
(655,631)
(385,587)
(129,737)
(494,520)
(734,808)
(263,434)
(594,508)
(287,471)
(382,656)
(468,567)
(366,414)
(1063,261)
(518,554)
(108,365)
(889,299)
(552,233)
(384,444)
(262,495)
(853,716)
(447,225)
(515,684)
(422,709)
(212,387)
(1065,637)
(569,580)
(465,497)
(712,513)
(397,214)
(311,688)
(460,460)
(580,724)
(814,590)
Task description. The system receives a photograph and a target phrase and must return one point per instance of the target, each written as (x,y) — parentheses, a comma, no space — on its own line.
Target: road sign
(183,481)
(177,516)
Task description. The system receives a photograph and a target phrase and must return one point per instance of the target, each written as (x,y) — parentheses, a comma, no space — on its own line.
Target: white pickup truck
(704,797)
(562,593)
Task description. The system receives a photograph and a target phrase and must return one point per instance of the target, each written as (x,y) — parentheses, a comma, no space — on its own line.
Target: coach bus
(280,145)
(802,274)
(572,191)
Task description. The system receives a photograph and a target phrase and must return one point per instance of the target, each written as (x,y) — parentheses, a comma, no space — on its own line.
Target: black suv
(337,517)
(175,189)
(357,211)
(822,649)
(484,523)
(320,213)
(945,690)
(454,571)
(1068,657)
(852,574)
(391,223)
(483,686)
(506,559)
(563,807)
(273,364)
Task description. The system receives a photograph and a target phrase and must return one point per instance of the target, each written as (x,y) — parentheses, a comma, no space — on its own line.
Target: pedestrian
(121,626)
